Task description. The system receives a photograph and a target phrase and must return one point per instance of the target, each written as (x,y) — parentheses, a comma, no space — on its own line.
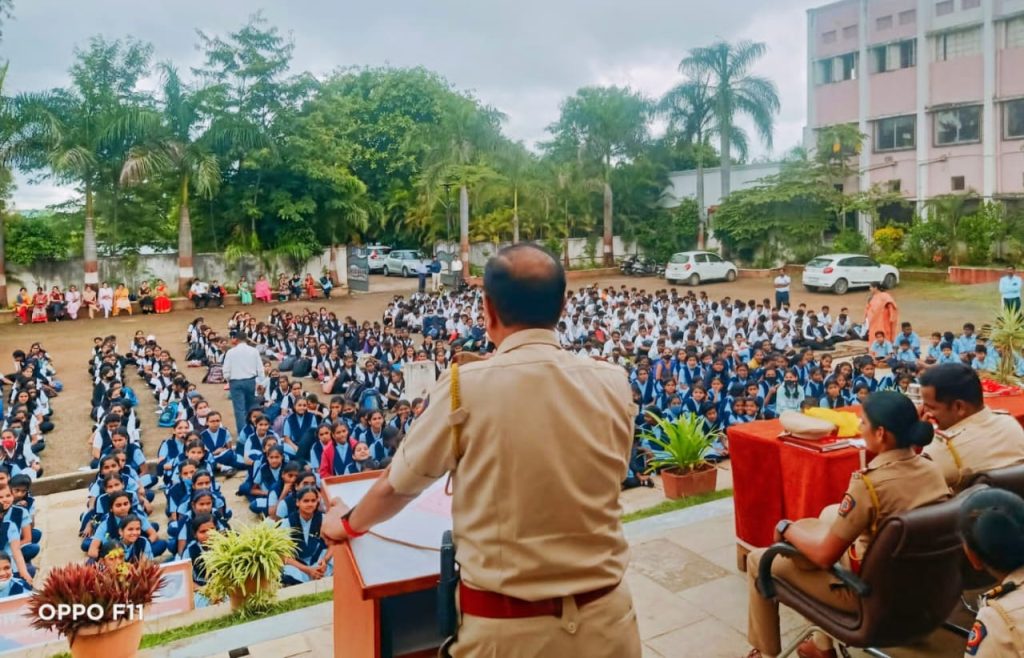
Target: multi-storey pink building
(936,86)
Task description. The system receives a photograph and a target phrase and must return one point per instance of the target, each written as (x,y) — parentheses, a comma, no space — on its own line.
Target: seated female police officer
(992,527)
(895,481)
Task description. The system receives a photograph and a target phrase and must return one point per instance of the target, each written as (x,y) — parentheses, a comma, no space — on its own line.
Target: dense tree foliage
(243,155)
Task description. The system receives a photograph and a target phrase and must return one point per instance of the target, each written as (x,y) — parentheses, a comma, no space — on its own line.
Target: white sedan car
(404,261)
(841,272)
(693,267)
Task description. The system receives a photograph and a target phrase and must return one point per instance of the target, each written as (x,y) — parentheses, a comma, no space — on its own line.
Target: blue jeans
(781,298)
(243,398)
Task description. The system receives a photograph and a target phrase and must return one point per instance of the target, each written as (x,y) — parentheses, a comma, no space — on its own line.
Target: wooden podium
(385,593)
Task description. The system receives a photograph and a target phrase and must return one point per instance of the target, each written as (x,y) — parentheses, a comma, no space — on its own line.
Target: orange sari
(883,315)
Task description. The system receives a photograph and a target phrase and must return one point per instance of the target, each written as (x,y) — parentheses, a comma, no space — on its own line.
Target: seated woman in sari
(74,301)
(22,304)
(57,303)
(90,300)
(244,293)
(145,298)
(122,300)
(39,303)
(162,299)
(262,290)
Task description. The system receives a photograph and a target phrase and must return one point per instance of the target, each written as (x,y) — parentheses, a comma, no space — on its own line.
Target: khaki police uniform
(979,443)
(893,482)
(543,447)
(998,631)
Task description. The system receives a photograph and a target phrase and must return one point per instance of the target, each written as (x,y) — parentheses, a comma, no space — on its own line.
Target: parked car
(841,272)
(374,255)
(404,261)
(693,267)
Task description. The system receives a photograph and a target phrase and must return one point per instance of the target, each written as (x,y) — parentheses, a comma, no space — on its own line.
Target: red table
(774,480)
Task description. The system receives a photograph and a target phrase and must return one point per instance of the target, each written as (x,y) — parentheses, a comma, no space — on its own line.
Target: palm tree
(516,163)
(690,110)
(466,131)
(24,129)
(176,150)
(734,91)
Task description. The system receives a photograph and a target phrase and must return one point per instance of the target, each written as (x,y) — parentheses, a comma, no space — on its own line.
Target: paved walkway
(690,601)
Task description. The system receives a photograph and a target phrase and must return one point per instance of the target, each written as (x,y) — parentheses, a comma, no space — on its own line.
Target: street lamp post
(448,212)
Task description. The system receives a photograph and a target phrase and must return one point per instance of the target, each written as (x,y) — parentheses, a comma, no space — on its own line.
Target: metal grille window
(1015,33)
(962,43)
(1013,118)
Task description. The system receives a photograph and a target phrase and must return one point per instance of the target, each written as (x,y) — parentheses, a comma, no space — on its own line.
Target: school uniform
(310,547)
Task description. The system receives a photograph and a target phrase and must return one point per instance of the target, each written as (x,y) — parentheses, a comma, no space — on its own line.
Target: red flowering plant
(80,595)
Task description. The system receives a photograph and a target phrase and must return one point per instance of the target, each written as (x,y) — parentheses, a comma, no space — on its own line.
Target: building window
(846,66)
(971,4)
(829,37)
(893,57)
(850,32)
(962,43)
(895,185)
(961,125)
(896,134)
(1015,33)
(883,23)
(1013,119)
(908,17)
(944,7)
(823,72)
(958,183)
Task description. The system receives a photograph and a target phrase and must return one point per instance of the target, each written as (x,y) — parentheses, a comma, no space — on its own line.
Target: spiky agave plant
(114,590)
(1008,337)
(249,559)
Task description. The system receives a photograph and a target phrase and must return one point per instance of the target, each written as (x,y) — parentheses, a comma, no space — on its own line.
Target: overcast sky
(522,57)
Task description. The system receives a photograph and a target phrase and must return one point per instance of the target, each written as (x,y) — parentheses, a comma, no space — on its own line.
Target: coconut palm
(690,110)
(734,91)
(180,151)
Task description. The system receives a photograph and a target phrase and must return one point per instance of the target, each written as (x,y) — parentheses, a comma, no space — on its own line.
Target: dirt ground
(929,306)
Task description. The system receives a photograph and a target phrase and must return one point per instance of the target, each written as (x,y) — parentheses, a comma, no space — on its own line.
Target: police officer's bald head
(525,285)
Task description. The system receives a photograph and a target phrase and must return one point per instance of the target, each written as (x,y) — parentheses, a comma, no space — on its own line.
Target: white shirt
(782,283)
(242,362)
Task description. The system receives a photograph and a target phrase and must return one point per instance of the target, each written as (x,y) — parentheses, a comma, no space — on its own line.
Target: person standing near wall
(782,282)
(1009,288)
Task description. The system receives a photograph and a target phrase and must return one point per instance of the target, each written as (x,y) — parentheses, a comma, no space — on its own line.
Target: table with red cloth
(775,480)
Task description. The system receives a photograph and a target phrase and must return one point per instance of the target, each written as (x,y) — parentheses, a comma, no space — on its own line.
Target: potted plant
(245,566)
(1008,337)
(108,623)
(680,457)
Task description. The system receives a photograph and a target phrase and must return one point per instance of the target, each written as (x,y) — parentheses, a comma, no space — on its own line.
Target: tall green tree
(735,91)
(181,152)
(690,110)
(601,126)
(517,166)
(96,120)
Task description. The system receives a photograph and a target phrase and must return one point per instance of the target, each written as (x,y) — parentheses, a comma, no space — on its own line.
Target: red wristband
(348,528)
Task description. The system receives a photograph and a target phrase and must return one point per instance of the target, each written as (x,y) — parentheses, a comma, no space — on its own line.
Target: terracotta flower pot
(238,597)
(698,481)
(116,639)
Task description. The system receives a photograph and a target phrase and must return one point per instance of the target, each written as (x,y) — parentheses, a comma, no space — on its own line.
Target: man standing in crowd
(242,365)
(435,274)
(537,579)
(782,282)
(972,438)
(1009,288)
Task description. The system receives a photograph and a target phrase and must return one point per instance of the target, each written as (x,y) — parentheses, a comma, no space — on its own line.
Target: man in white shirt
(242,365)
(1009,288)
(782,282)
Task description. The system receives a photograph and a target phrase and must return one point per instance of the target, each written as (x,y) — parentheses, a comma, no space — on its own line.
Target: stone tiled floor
(690,599)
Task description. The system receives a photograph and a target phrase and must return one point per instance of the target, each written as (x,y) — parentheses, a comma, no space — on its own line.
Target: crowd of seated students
(27,417)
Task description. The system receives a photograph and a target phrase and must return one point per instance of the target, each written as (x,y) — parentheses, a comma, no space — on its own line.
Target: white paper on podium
(420,377)
(421,524)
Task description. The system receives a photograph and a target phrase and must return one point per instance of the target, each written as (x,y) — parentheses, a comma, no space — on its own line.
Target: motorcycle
(643,266)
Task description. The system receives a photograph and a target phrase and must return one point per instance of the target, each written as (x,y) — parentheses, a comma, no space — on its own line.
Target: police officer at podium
(538,442)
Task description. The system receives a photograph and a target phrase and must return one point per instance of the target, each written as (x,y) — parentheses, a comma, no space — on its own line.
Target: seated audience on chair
(971,439)
(992,527)
(895,481)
